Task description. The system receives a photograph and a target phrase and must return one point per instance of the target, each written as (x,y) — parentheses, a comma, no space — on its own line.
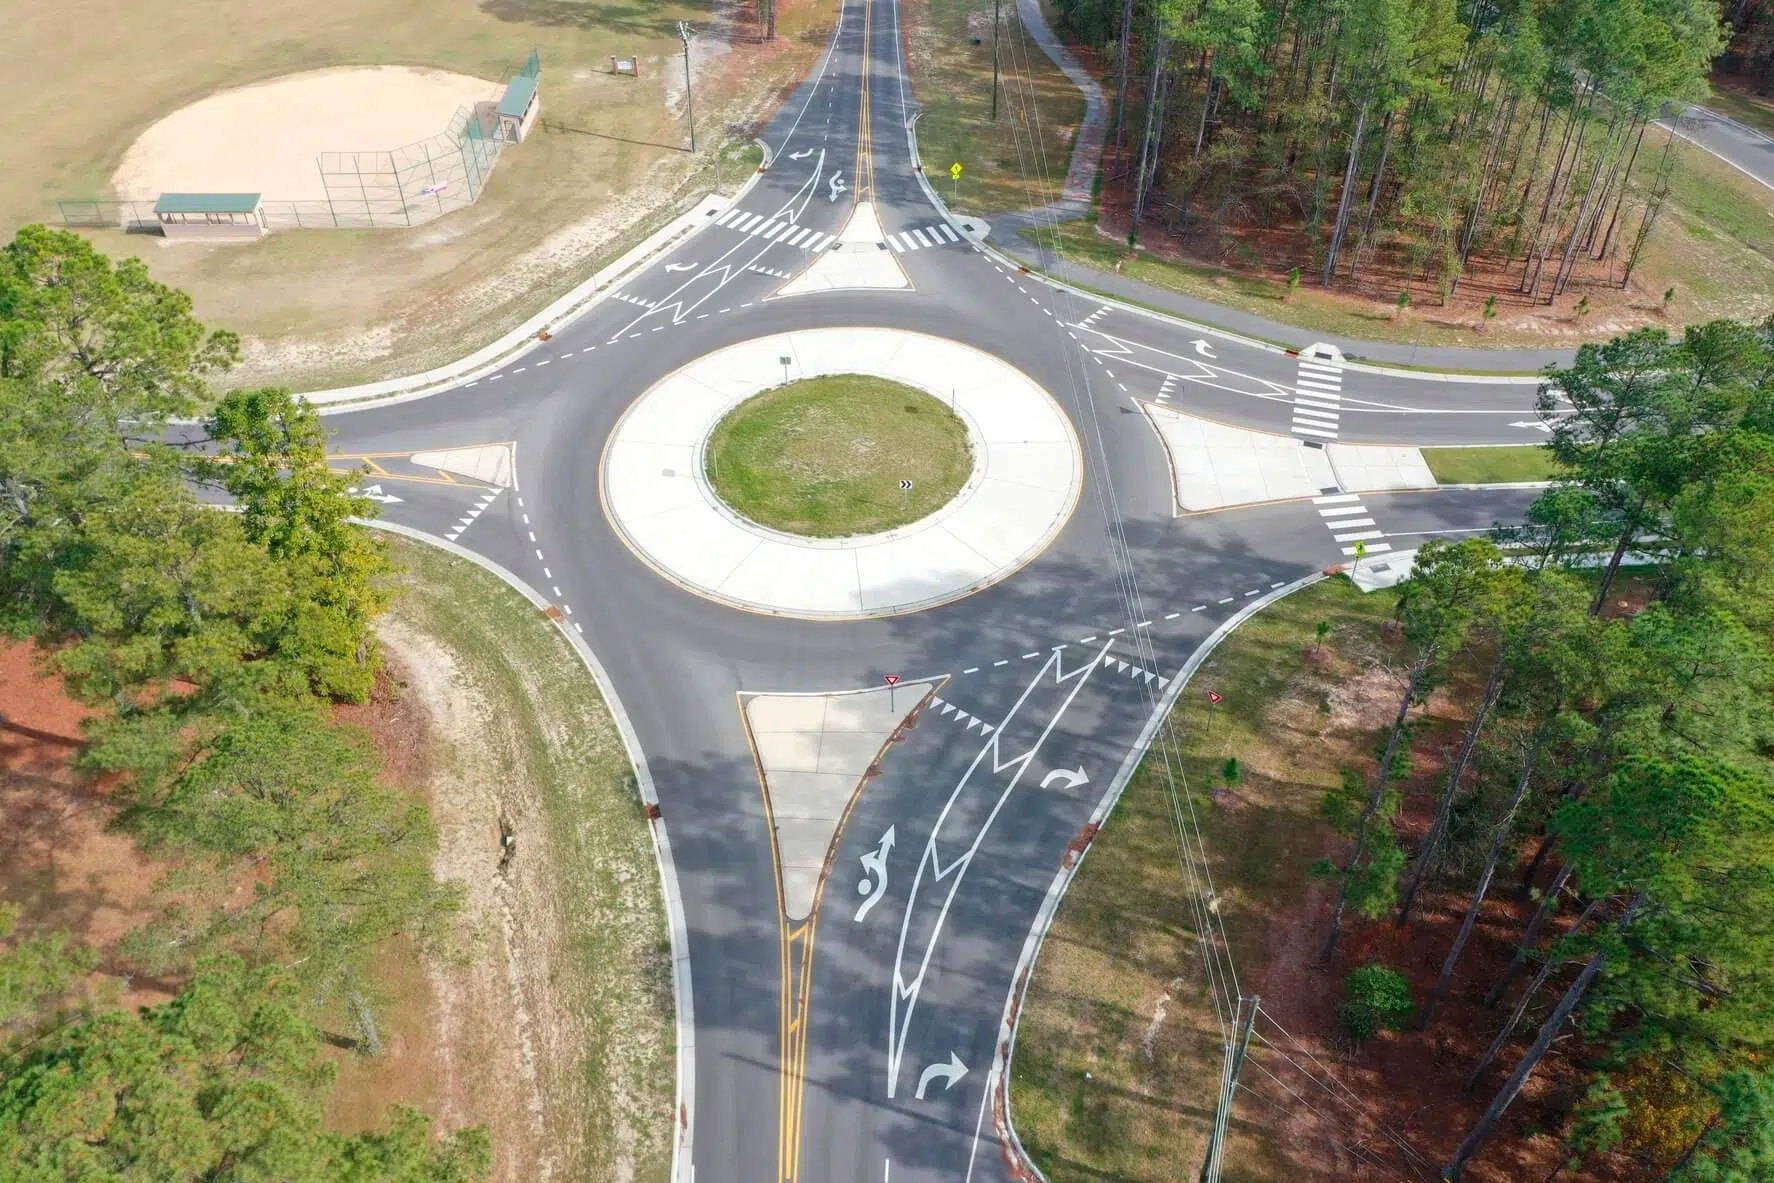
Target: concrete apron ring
(1028,475)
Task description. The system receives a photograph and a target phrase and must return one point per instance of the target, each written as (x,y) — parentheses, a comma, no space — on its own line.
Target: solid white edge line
(677,928)
(1062,879)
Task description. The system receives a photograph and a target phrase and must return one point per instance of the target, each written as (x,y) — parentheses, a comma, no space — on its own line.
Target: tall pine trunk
(1342,222)
(1499,840)
(1487,1124)
(1521,1004)
(1373,192)
(1620,197)
(1124,52)
(1529,937)
(1430,854)
(1412,682)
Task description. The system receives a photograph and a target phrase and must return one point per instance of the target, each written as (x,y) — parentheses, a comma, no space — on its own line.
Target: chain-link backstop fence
(404,186)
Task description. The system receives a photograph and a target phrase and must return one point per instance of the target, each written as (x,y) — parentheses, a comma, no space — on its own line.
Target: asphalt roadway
(981,825)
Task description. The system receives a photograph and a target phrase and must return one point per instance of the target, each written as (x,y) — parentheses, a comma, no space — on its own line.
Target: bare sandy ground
(267,138)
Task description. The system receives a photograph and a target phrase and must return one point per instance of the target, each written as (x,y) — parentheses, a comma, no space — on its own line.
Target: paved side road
(1743,148)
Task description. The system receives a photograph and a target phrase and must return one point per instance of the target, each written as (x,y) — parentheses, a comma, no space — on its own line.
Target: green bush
(1375,998)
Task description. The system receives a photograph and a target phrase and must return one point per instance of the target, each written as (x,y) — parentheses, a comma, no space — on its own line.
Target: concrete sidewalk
(1214,466)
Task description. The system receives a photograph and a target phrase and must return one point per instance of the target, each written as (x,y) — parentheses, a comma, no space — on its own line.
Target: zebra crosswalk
(1348,521)
(905,241)
(1318,398)
(787,233)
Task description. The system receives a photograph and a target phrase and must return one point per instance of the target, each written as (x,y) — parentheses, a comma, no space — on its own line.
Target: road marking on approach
(480,507)
(1318,398)
(787,233)
(1348,521)
(907,241)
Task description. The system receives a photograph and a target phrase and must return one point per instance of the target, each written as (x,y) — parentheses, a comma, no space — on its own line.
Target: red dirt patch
(59,860)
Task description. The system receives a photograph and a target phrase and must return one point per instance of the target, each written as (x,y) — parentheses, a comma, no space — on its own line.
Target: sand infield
(266,138)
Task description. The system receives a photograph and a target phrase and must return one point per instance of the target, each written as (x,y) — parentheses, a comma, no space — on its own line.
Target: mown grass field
(325,308)
(825,456)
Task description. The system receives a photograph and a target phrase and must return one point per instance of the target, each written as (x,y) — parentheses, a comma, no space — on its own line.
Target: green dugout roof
(207,203)
(517,96)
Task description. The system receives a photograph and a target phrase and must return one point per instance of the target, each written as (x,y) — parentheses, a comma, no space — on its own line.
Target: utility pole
(995,4)
(1245,1016)
(689,100)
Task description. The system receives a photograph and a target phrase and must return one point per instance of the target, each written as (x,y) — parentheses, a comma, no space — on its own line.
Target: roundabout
(1024,479)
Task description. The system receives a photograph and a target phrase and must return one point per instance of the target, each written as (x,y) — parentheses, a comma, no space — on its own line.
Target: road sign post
(905,495)
(689,102)
(1360,553)
(955,176)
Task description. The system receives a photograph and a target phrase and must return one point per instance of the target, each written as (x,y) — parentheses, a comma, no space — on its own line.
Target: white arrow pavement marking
(1533,425)
(874,875)
(1203,348)
(948,1073)
(837,184)
(680,266)
(374,493)
(942,877)
(1072,777)
(801,155)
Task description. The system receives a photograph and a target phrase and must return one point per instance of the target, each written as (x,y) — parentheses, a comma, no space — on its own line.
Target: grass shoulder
(1117,1052)
(1017,160)
(1487,466)
(552,1018)
(827,456)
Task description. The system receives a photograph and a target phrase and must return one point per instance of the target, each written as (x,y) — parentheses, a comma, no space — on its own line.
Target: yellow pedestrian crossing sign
(955,170)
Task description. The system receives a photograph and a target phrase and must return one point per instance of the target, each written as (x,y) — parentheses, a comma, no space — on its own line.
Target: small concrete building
(521,107)
(211,216)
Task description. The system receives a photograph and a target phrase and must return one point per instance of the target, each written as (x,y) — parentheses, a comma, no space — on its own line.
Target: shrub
(1375,998)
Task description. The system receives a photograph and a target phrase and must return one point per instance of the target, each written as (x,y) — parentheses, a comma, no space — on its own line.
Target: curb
(676,925)
(564,311)
(998,1082)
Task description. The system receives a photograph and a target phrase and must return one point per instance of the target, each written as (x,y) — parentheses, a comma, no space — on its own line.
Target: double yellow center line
(865,139)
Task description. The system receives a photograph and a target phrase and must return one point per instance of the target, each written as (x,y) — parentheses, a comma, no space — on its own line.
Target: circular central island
(773,475)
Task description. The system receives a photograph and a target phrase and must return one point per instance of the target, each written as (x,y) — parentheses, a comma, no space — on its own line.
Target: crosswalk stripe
(818,242)
(732,212)
(782,234)
(1359,536)
(1327,417)
(769,227)
(1302,429)
(949,232)
(1350,524)
(1341,511)
(922,241)
(1303,401)
(1336,499)
(745,222)
(1313,384)
(800,233)
(1307,367)
(905,236)
(1375,549)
